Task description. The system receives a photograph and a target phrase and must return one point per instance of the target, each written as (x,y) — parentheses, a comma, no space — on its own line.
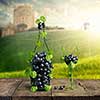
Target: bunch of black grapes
(43,69)
(41,25)
(70,58)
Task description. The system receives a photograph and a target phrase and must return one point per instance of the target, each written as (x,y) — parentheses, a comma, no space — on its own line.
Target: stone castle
(23,19)
(23,14)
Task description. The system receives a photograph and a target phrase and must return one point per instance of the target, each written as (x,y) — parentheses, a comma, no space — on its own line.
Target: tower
(23,15)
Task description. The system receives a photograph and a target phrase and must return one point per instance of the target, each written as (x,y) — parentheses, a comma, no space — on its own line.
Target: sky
(64,13)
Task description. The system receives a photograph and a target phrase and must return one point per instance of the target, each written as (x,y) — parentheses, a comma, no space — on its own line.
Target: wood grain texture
(8,86)
(23,93)
(77,91)
(19,89)
(92,87)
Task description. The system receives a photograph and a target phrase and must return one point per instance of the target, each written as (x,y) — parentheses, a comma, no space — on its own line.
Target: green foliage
(39,43)
(38,21)
(47,87)
(31,54)
(28,71)
(43,34)
(42,18)
(70,74)
(33,74)
(34,88)
(49,57)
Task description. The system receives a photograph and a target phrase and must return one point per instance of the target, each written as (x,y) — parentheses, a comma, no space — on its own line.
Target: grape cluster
(43,69)
(41,25)
(70,58)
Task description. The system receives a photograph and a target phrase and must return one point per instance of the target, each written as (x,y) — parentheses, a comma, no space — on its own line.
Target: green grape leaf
(37,21)
(34,88)
(39,44)
(33,74)
(49,57)
(43,34)
(47,87)
(28,71)
(42,18)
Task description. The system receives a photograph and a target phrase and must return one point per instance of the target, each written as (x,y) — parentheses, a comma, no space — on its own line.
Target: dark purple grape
(42,65)
(43,54)
(41,26)
(41,69)
(36,68)
(75,59)
(41,86)
(45,69)
(55,87)
(48,71)
(61,88)
(45,73)
(67,61)
(39,75)
(70,57)
(38,79)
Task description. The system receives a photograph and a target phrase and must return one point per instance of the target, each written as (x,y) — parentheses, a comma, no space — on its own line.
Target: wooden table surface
(19,89)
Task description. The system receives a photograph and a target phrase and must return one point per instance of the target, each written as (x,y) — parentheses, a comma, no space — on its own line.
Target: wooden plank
(23,93)
(77,91)
(66,94)
(19,89)
(81,92)
(8,86)
(92,87)
(11,79)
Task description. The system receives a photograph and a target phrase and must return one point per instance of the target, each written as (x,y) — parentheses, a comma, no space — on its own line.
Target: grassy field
(14,53)
(88,68)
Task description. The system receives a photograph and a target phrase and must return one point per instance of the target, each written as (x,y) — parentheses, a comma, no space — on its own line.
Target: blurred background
(72,25)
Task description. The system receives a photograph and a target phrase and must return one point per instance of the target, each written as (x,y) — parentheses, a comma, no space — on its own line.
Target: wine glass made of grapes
(70,60)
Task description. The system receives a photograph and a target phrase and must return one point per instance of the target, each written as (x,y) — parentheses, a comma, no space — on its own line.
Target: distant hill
(14,50)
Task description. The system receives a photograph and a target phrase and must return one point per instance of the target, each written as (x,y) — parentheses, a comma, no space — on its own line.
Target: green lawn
(14,53)
(85,69)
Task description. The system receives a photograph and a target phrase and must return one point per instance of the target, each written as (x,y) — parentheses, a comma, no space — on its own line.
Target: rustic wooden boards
(23,93)
(77,91)
(8,87)
(92,87)
(19,89)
